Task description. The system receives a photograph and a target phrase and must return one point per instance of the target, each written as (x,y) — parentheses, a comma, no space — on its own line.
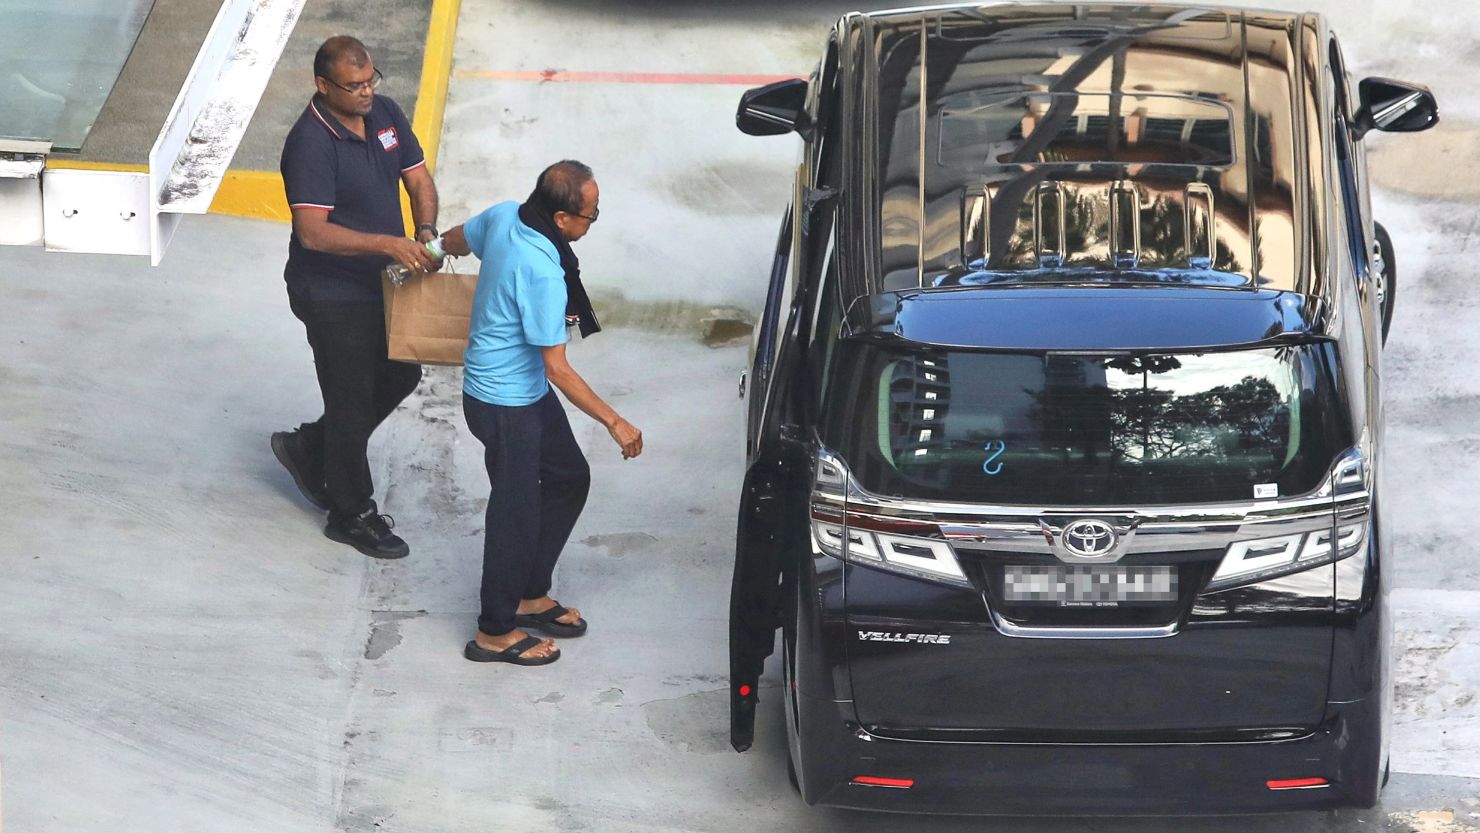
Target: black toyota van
(1065,421)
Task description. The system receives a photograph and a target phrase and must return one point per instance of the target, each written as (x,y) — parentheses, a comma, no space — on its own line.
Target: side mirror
(1395,107)
(774,109)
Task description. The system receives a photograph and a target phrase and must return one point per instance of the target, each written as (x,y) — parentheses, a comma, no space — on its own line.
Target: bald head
(567,190)
(560,186)
(340,48)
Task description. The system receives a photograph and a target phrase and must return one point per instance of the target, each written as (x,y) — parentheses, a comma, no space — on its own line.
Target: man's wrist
(431,227)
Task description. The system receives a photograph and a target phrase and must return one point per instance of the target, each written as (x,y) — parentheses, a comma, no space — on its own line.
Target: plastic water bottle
(397,274)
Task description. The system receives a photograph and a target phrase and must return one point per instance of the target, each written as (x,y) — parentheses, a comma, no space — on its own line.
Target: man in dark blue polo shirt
(342,164)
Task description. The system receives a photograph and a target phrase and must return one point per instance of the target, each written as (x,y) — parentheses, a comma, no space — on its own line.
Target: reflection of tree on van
(1162,244)
(1227,421)
(1133,429)
(1164,238)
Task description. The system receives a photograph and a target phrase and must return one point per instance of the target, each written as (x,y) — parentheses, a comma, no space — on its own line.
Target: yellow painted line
(436,72)
(431,98)
(74,165)
(242,193)
(256,194)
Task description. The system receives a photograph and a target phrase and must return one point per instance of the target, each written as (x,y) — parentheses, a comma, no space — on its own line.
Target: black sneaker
(287,447)
(369,532)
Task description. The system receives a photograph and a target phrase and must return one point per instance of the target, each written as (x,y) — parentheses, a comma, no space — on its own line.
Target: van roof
(1088,318)
(1039,144)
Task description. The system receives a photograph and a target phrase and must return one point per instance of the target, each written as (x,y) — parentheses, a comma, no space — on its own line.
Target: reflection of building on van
(1076,129)
(1064,418)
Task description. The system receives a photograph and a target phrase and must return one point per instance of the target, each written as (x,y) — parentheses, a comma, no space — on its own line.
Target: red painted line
(567,77)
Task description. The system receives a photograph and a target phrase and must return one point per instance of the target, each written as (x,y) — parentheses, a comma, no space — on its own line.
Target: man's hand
(570,383)
(627,436)
(455,242)
(409,253)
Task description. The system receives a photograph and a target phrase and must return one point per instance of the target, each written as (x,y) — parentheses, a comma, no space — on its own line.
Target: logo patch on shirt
(388,138)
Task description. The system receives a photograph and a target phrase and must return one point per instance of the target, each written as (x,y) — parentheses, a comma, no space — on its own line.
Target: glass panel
(981,130)
(899,160)
(1091,96)
(59,61)
(1072,429)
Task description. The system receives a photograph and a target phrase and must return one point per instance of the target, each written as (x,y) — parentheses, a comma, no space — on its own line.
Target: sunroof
(980,130)
(61,60)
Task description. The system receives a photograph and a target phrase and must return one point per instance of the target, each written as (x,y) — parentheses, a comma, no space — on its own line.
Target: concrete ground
(181,649)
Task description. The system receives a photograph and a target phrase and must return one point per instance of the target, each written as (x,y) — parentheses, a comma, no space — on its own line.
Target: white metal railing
(137,212)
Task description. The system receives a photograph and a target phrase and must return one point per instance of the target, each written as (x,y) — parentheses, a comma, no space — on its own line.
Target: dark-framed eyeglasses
(359,86)
(595,212)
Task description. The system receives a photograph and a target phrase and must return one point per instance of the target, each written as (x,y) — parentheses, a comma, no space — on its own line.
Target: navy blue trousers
(360,387)
(538,481)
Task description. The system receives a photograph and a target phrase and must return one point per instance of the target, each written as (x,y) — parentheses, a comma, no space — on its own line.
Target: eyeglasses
(359,86)
(595,212)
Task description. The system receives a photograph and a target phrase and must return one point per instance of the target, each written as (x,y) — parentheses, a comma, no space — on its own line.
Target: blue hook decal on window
(994,449)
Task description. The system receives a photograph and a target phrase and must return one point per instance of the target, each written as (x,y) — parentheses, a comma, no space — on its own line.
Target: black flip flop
(545,621)
(511,654)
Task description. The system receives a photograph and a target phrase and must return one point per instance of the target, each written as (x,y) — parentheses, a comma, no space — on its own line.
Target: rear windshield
(1063,429)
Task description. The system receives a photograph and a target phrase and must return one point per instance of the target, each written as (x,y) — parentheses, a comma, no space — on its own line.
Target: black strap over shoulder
(540,216)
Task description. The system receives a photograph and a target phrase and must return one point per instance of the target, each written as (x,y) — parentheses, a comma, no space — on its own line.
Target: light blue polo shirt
(518,308)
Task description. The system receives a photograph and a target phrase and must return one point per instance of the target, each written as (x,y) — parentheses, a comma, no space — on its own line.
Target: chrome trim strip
(1318,500)
(1150,536)
(1048,205)
(1007,628)
(1125,224)
(1185,513)
(1198,219)
(920,149)
(881,735)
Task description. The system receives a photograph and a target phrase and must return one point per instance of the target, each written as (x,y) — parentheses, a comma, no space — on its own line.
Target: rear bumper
(1070,779)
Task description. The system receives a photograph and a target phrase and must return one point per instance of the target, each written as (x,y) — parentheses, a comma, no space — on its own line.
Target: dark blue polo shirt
(357,181)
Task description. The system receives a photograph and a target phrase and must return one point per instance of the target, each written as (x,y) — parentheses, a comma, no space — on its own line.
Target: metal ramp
(135,210)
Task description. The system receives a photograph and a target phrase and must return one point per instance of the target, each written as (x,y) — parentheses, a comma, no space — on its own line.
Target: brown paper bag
(426,318)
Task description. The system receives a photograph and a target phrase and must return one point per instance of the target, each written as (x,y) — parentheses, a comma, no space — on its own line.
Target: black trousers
(538,480)
(360,387)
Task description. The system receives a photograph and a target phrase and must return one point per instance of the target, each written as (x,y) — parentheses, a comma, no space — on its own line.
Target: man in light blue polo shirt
(528,290)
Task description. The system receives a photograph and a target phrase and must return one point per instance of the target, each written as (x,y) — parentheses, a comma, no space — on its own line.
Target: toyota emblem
(1089,538)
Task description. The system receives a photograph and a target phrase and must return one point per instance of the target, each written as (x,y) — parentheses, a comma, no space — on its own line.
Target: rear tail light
(875,781)
(1298,784)
(1246,562)
(898,545)
(930,558)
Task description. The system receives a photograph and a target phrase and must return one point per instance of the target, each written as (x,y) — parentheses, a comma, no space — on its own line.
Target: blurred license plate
(1084,586)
